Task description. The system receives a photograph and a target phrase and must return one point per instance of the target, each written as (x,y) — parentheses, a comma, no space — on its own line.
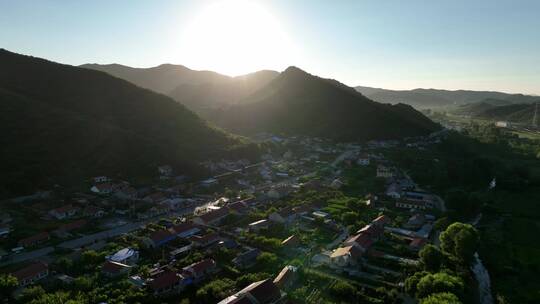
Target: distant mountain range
(433,98)
(62,123)
(292,102)
(200,91)
(499,110)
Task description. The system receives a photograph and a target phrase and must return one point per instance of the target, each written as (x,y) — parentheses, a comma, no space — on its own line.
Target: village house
(214,217)
(336,184)
(346,256)
(205,240)
(363,160)
(261,292)
(381,221)
(362,241)
(114,269)
(185,230)
(174,203)
(413,204)
(128,256)
(417,244)
(246,259)
(167,282)
(385,172)
(101,179)
(209,182)
(31,273)
(64,229)
(200,270)
(4,231)
(279,191)
(105,188)
(155,197)
(94,212)
(285,216)
(126,193)
(291,241)
(63,212)
(416,221)
(393,190)
(239,207)
(286,277)
(259,225)
(34,240)
(165,171)
(159,238)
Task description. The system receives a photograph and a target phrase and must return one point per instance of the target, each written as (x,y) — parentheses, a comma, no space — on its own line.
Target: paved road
(91,238)
(31,255)
(87,239)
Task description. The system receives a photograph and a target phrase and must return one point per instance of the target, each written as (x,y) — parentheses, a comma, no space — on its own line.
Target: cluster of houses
(266,291)
(351,251)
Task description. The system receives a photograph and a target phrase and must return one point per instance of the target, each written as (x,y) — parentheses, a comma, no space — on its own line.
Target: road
(87,239)
(31,255)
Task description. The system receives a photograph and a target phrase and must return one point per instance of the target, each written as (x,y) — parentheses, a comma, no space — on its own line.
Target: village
(307,216)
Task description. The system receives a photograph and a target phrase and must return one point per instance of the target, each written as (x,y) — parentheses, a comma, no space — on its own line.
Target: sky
(393,44)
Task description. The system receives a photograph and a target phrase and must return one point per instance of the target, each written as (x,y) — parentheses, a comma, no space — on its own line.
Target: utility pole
(535,117)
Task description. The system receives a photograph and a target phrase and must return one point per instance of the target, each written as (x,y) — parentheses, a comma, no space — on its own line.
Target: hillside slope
(62,123)
(299,103)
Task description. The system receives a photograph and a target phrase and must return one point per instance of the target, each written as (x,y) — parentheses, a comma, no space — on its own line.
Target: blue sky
(474,44)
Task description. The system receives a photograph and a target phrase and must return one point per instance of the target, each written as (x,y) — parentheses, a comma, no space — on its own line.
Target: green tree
(411,283)
(441,298)
(349,218)
(8,283)
(267,260)
(460,241)
(343,290)
(31,293)
(431,257)
(215,291)
(439,282)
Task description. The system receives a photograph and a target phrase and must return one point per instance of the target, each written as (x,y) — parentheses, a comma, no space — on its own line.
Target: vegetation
(87,123)
(460,241)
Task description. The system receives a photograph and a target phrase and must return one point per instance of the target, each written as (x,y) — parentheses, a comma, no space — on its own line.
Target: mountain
(200,91)
(296,102)
(496,109)
(433,98)
(518,113)
(477,108)
(61,124)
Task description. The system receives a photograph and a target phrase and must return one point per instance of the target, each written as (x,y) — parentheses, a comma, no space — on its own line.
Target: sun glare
(236,37)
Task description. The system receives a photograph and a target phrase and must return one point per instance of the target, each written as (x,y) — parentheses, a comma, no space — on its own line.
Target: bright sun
(236,37)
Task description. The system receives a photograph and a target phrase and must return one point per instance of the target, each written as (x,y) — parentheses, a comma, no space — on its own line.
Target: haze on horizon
(477,45)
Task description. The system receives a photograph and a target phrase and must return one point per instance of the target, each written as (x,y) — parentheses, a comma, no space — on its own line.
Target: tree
(431,257)
(215,291)
(411,283)
(460,241)
(267,260)
(441,298)
(349,218)
(439,282)
(31,293)
(8,283)
(343,290)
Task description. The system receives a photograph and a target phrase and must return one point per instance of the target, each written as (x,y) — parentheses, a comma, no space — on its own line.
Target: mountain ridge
(433,98)
(297,102)
(85,123)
